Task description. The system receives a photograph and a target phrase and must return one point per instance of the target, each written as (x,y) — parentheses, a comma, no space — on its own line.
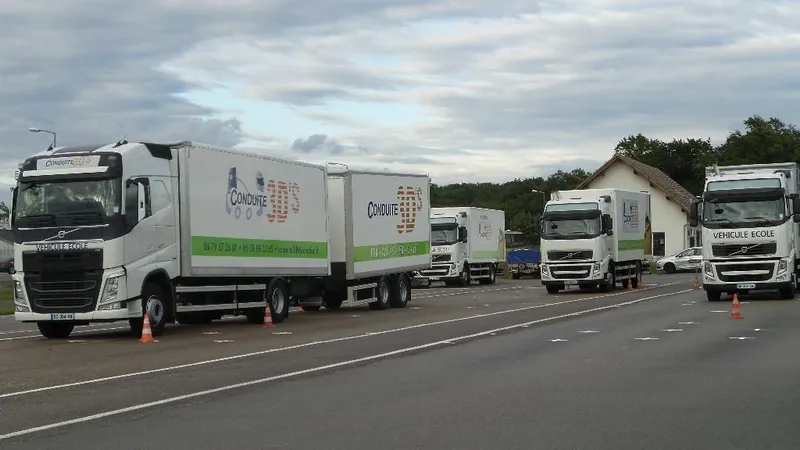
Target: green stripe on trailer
(389,251)
(488,254)
(257,248)
(630,244)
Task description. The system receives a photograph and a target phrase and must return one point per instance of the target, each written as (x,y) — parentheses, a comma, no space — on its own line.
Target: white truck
(105,233)
(749,217)
(594,237)
(467,243)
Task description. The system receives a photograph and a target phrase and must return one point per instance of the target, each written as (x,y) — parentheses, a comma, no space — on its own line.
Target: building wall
(667,215)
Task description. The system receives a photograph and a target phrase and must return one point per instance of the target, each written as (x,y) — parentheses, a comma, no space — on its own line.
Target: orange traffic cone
(267,318)
(696,284)
(630,286)
(147,333)
(735,313)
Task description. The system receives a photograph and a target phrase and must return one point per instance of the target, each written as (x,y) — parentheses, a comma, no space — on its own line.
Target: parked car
(689,259)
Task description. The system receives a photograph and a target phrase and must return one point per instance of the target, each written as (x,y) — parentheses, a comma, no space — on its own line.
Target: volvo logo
(61,234)
(743,250)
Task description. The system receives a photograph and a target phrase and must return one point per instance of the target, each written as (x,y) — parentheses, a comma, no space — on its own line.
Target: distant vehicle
(689,259)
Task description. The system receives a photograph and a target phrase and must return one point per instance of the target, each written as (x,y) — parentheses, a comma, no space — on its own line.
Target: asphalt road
(506,367)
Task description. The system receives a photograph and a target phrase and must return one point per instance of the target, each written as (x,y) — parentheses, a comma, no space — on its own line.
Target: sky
(468,90)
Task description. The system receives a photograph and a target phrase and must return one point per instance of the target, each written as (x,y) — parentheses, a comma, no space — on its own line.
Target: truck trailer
(109,233)
(467,243)
(749,217)
(594,237)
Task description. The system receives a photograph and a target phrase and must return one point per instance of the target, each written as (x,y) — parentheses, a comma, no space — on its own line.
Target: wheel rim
(277,300)
(383,293)
(403,290)
(155,309)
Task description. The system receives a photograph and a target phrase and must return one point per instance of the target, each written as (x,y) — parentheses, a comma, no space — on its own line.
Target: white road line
(298,373)
(315,343)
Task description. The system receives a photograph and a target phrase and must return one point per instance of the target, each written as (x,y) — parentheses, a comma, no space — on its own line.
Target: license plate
(62,316)
(571,282)
(746,286)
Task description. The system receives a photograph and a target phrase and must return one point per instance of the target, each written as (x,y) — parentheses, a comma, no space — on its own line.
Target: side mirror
(693,214)
(796,218)
(462,232)
(141,203)
(795,206)
(607,223)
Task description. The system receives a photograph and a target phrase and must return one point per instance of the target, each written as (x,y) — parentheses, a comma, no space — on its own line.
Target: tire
(383,292)
(333,300)
(713,296)
(402,292)
(787,294)
(552,289)
(669,268)
(492,276)
(609,285)
(638,273)
(55,330)
(155,304)
(465,278)
(278,299)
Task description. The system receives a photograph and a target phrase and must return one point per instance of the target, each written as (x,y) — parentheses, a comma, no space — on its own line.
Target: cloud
(469,90)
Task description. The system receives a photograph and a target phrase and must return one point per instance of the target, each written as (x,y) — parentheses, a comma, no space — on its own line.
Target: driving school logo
(274,199)
(408,204)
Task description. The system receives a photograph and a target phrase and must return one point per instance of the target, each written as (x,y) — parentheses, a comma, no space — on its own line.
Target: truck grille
(767,248)
(63,281)
(441,258)
(570,272)
(758,272)
(561,255)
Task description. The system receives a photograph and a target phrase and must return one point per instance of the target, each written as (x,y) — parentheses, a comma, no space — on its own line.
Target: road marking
(298,373)
(672,330)
(223,341)
(719,311)
(328,341)
(17,338)
(209,333)
(647,338)
(588,331)
(559,340)
(740,338)
(687,323)
(757,329)
(279,333)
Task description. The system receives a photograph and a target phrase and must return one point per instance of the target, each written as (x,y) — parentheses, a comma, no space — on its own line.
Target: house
(670,202)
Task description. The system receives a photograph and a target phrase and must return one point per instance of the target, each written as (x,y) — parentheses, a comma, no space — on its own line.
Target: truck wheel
(402,292)
(609,284)
(333,300)
(383,292)
(552,289)
(787,294)
(637,273)
(713,296)
(465,277)
(278,298)
(492,276)
(55,330)
(153,303)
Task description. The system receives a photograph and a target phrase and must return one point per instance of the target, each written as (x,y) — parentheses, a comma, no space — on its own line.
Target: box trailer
(467,243)
(594,237)
(189,232)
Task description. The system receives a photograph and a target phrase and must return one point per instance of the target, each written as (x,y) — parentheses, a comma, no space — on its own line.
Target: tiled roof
(656,177)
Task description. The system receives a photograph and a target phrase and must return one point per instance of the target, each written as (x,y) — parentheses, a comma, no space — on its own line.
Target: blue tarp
(523,257)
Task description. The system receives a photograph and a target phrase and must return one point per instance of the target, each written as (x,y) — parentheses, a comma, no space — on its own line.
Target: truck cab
(449,248)
(749,223)
(91,225)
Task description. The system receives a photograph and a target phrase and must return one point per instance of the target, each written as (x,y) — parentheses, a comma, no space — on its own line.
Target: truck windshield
(564,228)
(732,212)
(66,202)
(444,233)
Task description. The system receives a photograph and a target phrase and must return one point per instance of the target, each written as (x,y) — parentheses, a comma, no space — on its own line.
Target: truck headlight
(596,268)
(20,302)
(708,269)
(110,298)
(782,266)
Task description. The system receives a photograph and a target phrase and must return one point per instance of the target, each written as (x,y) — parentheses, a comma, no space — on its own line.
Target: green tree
(762,141)
(3,209)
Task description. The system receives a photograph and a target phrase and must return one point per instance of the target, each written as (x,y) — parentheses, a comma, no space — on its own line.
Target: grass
(6,301)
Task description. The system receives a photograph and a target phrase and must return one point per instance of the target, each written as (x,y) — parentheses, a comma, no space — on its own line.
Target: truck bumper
(747,275)
(442,272)
(588,273)
(95,316)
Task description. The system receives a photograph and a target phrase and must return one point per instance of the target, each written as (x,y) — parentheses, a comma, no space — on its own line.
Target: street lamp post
(39,130)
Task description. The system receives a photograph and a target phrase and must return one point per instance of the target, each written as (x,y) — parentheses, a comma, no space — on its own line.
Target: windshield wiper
(722,219)
(770,222)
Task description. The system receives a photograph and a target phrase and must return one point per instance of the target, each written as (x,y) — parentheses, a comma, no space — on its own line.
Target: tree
(763,141)
(3,209)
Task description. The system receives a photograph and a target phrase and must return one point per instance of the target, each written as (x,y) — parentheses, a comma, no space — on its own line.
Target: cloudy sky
(466,90)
